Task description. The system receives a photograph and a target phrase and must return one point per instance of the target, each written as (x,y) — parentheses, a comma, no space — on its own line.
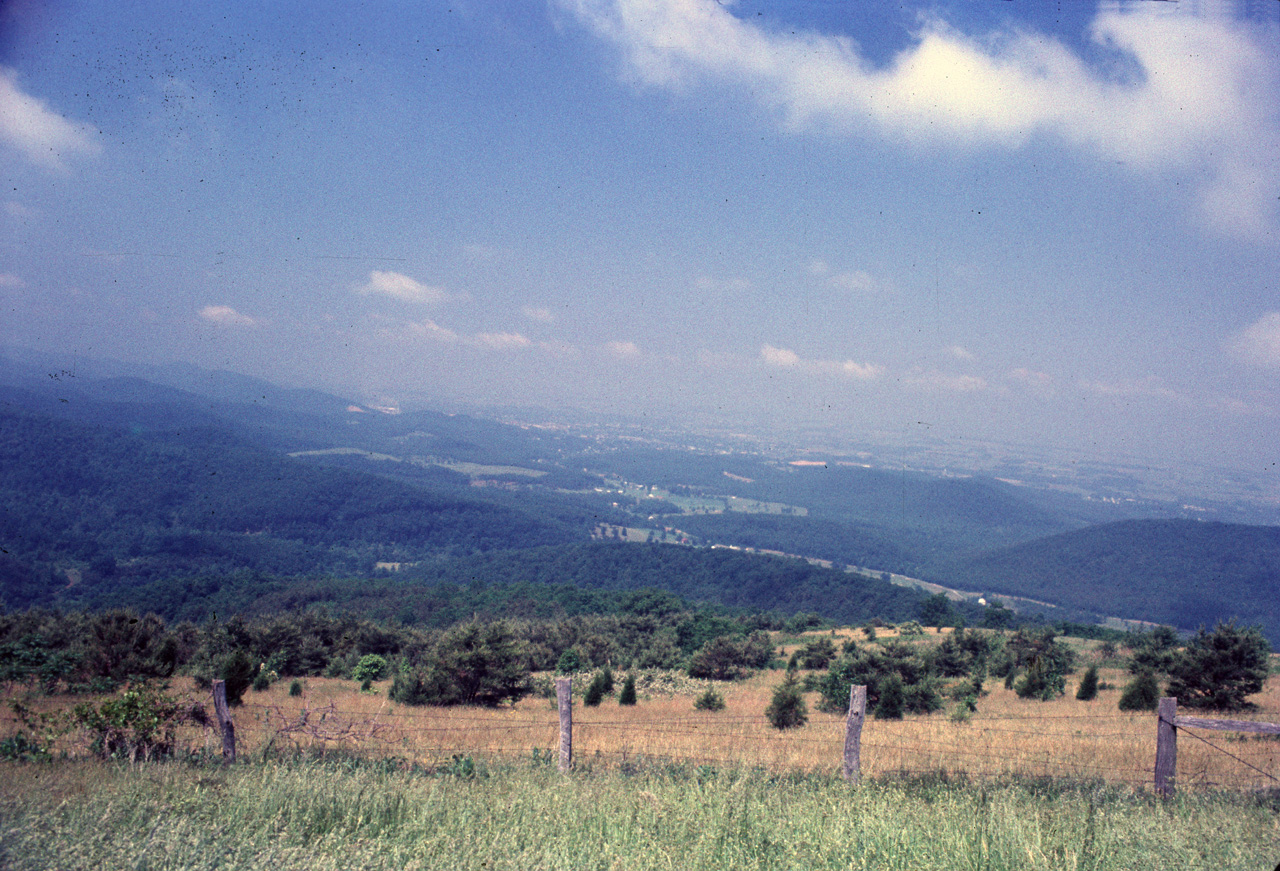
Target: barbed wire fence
(1114,748)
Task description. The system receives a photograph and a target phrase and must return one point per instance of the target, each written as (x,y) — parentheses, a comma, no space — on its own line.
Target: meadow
(335,777)
(341,812)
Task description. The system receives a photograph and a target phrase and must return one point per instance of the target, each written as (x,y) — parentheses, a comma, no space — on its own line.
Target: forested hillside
(539,582)
(216,492)
(116,509)
(1182,572)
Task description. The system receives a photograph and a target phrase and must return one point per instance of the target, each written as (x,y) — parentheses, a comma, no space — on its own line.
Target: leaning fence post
(564,701)
(224,721)
(853,733)
(1166,748)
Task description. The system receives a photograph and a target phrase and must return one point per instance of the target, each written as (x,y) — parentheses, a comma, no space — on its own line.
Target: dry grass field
(1007,736)
(1037,785)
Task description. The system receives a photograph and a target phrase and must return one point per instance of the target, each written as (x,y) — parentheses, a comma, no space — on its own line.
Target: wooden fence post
(1166,748)
(564,701)
(853,733)
(224,721)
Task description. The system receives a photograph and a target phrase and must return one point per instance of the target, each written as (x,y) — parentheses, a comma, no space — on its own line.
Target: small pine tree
(628,694)
(295,688)
(710,701)
(595,692)
(787,710)
(1088,690)
(607,677)
(1141,694)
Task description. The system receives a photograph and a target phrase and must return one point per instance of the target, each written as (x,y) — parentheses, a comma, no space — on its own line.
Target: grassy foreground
(338,813)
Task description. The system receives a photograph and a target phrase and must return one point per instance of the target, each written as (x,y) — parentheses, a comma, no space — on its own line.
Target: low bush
(709,701)
(787,710)
(140,722)
(1141,694)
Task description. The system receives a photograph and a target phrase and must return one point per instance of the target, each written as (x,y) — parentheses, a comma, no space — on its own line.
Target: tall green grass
(319,814)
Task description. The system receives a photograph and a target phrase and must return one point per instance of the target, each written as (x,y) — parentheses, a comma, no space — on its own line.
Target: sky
(1045,223)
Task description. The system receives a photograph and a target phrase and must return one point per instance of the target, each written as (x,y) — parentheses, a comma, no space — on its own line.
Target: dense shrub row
(482,662)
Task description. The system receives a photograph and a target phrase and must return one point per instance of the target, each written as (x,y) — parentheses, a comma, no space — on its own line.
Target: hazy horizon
(955,221)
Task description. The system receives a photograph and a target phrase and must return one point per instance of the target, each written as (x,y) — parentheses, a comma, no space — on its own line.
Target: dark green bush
(370,667)
(1088,689)
(628,694)
(1040,682)
(570,662)
(1141,694)
(816,654)
(1219,668)
(473,664)
(140,722)
(892,701)
(709,701)
(727,658)
(787,710)
(595,691)
(238,672)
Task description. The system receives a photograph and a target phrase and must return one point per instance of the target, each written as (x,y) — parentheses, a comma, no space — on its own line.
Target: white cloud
(429,329)
(623,349)
(1203,96)
(225,315)
(503,341)
(8,279)
(948,381)
(1041,381)
(1259,343)
(403,288)
(42,135)
(541,315)
(861,371)
(787,359)
(1150,388)
(855,280)
(779,356)
(959,352)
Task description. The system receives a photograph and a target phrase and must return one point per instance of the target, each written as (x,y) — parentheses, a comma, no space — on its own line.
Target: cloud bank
(783,358)
(1204,96)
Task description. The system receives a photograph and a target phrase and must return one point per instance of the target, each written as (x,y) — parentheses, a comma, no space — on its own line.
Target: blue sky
(1048,223)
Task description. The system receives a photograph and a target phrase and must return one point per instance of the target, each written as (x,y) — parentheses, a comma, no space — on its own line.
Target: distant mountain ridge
(108,477)
(1185,573)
